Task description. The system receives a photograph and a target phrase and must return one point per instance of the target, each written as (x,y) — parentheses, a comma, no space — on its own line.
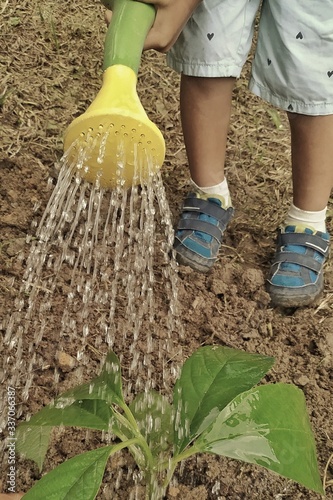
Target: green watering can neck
(130,23)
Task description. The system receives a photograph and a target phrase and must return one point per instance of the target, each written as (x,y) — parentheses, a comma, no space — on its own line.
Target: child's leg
(312,160)
(297,271)
(293,70)
(205,105)
(205,112)
(211,51)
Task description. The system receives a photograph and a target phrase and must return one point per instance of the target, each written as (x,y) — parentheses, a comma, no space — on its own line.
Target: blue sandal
(200,230)
(296,276)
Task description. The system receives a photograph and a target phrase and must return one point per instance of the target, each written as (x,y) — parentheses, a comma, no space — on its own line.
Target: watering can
(115,135)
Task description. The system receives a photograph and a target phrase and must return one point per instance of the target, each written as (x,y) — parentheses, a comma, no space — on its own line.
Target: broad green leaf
(73,408)
(153,414)
(209,380)
(78,478)
(107,386)
(33,442)
(269,426)
(92,414)
(33,436)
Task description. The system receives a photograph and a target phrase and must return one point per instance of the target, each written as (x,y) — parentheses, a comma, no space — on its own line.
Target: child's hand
(171,17)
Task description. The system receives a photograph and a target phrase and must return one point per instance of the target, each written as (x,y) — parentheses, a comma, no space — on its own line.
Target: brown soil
(50,60)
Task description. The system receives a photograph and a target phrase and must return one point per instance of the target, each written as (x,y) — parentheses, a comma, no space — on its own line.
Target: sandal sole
(184,260)
(283,297)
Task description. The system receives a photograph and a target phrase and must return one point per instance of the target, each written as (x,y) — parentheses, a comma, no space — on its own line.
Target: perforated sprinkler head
(114,142)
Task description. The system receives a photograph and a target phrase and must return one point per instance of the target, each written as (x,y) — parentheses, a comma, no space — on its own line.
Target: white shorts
(293,63)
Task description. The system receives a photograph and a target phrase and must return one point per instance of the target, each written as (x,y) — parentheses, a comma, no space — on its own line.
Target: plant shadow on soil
(50,72)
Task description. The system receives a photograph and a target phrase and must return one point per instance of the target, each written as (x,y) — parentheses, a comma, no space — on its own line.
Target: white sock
(313,220)
(220,190)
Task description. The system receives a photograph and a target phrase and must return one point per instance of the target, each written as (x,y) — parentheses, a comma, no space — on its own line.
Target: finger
(155,40)
(107,16)
(15,496)
(156,3)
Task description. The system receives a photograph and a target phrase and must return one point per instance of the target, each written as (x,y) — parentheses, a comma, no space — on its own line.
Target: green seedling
(48,20)
(217,408)
(275,117)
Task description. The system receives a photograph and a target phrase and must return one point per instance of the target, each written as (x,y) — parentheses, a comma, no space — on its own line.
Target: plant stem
(123,444)
(153,489)
(130,423)
(186,454)
(171,466)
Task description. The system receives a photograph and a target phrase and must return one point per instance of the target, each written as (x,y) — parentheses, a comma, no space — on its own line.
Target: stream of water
(100,275)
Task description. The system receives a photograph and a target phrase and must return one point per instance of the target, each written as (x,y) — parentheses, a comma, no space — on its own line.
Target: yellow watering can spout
(114,142)
(119,141)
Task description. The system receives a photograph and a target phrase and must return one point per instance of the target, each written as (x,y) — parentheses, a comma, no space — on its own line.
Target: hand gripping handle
(129,26)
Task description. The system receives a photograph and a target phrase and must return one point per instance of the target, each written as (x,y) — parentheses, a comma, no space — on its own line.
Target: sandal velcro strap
(198,205)
(313,241)
(199,231)
(300,259)
(200,225)
(296,275)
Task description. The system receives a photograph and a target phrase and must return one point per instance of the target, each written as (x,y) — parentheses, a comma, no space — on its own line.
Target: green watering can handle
(129,26)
